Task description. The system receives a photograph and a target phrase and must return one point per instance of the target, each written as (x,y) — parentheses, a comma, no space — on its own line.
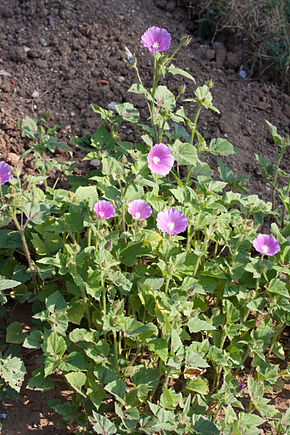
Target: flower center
(170,226)
(156,160)
(155,45)
(137,215)
(265,249)
(102,214)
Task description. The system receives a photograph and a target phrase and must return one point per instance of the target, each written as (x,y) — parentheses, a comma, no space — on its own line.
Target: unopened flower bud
(186,39)
(182,89)
(130,57)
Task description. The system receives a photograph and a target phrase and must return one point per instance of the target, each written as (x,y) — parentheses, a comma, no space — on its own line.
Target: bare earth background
(63,55)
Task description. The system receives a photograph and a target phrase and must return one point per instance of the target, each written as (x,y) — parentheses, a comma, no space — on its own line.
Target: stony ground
(63,55)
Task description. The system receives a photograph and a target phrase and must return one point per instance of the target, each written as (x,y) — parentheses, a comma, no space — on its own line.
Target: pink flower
(171,221)
(104,209)
(4,172)
(156,39)
(139,209)
(266,245)
(160,160)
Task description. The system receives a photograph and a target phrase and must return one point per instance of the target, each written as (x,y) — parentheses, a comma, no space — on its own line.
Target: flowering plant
(149,303)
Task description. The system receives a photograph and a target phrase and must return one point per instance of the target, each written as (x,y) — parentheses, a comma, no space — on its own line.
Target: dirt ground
(63,55)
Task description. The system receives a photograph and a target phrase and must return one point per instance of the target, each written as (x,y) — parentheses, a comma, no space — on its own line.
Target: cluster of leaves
(153,333)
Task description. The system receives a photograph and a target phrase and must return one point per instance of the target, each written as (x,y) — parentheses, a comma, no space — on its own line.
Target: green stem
(27,253)
(103,295)
(189,237)
(89,236)
(275,181)
(116,351)
(85,299)
(191,139)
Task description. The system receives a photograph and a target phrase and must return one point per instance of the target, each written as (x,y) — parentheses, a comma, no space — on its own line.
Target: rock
(40,63)
(233,60)
(210,54)
(13,159)
(220,55)
(35,94)
(35,53)
(18,54)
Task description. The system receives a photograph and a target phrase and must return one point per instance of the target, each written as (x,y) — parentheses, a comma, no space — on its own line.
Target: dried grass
(263,22)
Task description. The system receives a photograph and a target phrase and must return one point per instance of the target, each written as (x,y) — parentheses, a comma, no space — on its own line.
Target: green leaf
(75,361)
(250,419)
(146,376)
(54,345)
(75,311)
(175,70)
(203,426)
(32,341)
(117,388)
(35,212)
(197,325)
(128,112)
(184,153)
(102,138)
(103,425)
(8,283)
(160,347)
(278,287)
(12,370)
(29,127)
(88,194)
(164,98)
(76,380)
(198,385)
(14,333)
(169,399)
(221,147)
(55,302)
(38,382)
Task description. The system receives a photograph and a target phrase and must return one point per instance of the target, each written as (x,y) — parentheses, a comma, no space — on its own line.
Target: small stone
(40,63)
(43,42)
(35,54)
(35,94)
(233,60)
(121,79)
(18,54)
(95,162)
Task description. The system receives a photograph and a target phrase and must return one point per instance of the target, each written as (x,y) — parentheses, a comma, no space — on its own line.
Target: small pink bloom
(5,172)
(156,39)
(266,245)
(104,209)
(171,221)
(139,209)
(160,160)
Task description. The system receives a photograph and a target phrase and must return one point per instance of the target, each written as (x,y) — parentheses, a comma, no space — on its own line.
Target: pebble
(18,54)
(35,94)
(112,105)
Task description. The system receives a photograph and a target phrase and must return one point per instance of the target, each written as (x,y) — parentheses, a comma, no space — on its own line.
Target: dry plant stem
(27,254)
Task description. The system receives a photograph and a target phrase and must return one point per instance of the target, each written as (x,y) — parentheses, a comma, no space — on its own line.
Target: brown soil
(63,55)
